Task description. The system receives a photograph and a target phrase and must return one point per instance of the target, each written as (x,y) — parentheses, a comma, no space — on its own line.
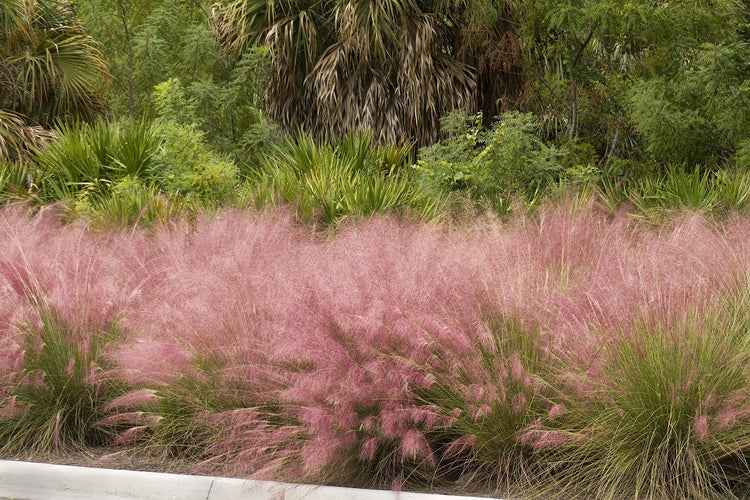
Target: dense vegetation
(489,101)
(499,244)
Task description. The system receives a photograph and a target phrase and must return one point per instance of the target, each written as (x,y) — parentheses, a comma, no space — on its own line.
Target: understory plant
(495,164)
(325,182)
(14,181)
(129,202)
(660,197)
(57,395)
(90,158)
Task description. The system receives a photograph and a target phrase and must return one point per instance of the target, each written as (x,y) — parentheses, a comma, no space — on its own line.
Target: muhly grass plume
(572,348)
(61,303)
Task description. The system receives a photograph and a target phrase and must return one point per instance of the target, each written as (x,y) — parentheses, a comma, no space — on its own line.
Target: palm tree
(50,69)
(393,67)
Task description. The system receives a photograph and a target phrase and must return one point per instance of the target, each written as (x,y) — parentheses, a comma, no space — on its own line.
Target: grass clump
(669,417)
(569,352)
(494,403)
(59,394)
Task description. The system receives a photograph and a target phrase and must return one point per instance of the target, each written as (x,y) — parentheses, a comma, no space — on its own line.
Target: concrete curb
(36,481)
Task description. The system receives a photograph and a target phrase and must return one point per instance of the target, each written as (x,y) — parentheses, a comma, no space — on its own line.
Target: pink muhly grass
(461,444)
(139,398)
(132,417)
(368,448)
(130,435)
(10,408)
(398,483)
(105,461)
(733,412)
(303,351)
(414,445)
(539,438)
(556,411)
(700,426)
(56,434)
(257,443)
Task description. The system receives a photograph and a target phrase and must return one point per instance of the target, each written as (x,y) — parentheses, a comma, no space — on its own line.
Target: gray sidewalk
(36,481)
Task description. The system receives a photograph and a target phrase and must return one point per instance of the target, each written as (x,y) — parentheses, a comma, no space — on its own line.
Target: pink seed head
(700,426)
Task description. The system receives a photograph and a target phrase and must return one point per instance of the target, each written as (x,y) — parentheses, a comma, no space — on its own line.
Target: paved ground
(39,481)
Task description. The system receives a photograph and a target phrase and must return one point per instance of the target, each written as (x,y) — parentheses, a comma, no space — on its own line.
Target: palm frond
(392,67)
(17,136)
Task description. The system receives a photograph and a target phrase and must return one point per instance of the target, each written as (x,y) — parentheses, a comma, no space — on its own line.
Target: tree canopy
(393,67)
(50,69)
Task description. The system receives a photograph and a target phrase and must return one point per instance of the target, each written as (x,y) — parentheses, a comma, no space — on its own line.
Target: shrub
(698,116)
(185,164)
(128,203)
(329,181)
(186,167)
(228,113)
(87,158)
(496,164)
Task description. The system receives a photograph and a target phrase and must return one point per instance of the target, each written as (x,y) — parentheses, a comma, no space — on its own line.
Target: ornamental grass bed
(569,352)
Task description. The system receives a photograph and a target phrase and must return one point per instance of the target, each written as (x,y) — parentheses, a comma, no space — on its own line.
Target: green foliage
(144,41)
(326,182)
(742,158)
(656,198)
(658,427)
(128,203)
(493,164)
(585,54)
(699,116)
(392,68)
(89,158)
(59,394)
(50,69)
(173,41)
(227,111)
(676,190)
(187,167)
(117,171)
(14,181)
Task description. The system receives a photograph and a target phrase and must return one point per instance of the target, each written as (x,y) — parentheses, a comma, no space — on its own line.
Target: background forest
(357,107)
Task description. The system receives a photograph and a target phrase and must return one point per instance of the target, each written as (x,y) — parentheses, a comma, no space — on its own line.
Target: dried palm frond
(389,66)
(17,137)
